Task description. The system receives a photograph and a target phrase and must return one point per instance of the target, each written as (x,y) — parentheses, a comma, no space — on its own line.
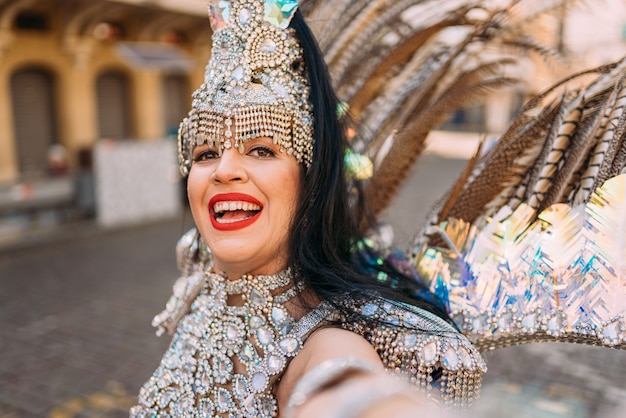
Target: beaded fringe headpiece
(254,84)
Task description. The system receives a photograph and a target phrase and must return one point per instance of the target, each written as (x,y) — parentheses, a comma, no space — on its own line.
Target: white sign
(136,181)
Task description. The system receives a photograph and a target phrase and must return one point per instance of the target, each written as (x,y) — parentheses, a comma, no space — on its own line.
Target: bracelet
(322,375)
(356,397)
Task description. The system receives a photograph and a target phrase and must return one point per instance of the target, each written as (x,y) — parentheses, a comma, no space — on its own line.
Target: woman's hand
(339,375)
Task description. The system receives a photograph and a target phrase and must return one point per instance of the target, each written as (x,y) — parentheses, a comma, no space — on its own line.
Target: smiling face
(243,205)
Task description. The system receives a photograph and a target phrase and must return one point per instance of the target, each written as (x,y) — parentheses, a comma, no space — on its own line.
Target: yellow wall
(75,62)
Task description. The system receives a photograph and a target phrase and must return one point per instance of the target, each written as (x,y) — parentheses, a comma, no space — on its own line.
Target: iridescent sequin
(524,277)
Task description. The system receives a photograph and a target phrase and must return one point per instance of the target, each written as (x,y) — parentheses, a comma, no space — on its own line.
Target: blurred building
(73,72)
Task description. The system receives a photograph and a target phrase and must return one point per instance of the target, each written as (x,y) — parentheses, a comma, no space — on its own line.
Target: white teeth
(228,221)
(235,205)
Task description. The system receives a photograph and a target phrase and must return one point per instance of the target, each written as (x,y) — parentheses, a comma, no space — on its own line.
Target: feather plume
(542,158)
(395,64)
(504,166)
(613,119)
(456,189)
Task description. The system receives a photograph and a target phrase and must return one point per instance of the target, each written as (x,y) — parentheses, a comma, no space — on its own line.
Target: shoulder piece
(192,253)
(192,257)
(422,347)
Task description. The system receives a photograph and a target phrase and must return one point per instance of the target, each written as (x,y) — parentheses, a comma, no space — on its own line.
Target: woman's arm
(339,374)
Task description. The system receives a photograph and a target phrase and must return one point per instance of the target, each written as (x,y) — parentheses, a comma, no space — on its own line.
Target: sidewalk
(23,239)
(75,306)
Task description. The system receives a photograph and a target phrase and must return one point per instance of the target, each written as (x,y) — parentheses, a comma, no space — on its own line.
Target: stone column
(148,104)
(9,169)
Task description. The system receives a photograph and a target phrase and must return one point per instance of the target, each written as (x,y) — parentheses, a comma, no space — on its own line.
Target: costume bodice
(224,360)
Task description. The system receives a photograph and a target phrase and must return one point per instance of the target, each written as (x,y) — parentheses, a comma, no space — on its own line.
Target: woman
(290,308)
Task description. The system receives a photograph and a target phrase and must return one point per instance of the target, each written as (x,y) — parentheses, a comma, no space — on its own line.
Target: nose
(230,168)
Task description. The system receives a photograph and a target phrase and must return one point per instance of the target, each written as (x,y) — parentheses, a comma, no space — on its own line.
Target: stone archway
(33,102)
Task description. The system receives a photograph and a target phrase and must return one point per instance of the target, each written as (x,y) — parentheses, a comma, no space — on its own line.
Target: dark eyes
(259,151)
(206,155)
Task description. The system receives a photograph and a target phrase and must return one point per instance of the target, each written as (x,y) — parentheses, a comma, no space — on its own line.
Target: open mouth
(234,211)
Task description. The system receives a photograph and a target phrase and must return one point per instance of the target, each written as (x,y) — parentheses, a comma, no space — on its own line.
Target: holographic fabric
(519,278)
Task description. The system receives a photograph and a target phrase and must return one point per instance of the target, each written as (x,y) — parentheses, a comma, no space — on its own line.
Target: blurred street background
(91,207)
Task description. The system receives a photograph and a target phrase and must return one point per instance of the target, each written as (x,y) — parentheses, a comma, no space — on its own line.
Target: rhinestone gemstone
(505,321)
(166,397)
(185,403)
(555,325)
(219,15)
(248,353)
(280,90)
(409,340)
(430,353)
(244,17)
(450,359)
(240,387)
(238,74)
(266,406)
(411,319)
(268,46)
(149,396)
(529,322)
(223,400)
(222,368)
(479,325)
(232,333)
(369,309)
(279,12)
(275,363)
(264,336)
(258,382)
(256,322)
(289,346)
(206,409)
(256,298)
(611,333)
(164,379)
(465,358)
(279,315)
(204,382)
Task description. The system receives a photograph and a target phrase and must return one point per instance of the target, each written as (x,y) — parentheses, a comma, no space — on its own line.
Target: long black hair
(330,221)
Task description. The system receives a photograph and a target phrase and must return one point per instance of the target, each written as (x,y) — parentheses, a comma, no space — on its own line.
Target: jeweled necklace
(197,374)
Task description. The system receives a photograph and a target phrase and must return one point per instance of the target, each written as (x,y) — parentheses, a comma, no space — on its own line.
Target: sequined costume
(530,248)
(225,359)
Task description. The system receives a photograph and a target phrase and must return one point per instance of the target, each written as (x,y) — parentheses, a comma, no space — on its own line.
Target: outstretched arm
(339,374)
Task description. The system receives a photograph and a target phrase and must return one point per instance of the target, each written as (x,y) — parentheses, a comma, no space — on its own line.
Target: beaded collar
(225,358)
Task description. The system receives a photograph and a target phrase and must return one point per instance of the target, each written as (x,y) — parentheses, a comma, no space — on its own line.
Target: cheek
(196,187)
(292,197)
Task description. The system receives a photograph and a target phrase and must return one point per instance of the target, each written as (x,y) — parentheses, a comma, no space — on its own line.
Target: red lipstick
(233,197)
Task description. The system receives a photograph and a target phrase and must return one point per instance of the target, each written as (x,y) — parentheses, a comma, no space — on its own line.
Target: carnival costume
(530,257)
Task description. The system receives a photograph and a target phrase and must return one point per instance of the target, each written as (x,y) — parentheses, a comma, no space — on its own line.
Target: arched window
(177,101)
(34,119)
(114,110)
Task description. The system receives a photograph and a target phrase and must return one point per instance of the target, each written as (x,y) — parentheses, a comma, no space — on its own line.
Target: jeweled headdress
(254,84)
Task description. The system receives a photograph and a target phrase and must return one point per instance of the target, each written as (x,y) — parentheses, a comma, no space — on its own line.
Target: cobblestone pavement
(76,340)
